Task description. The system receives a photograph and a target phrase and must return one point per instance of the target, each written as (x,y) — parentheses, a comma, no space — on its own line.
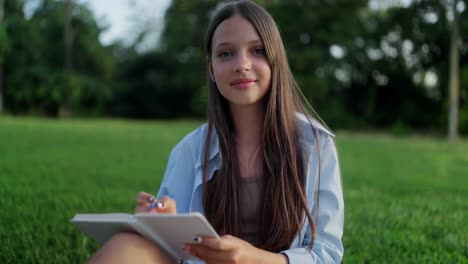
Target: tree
(148,89)
(316,28)
(64,109)
(454,86)
(182,42)
(398,64)
(2,40)
(35,79)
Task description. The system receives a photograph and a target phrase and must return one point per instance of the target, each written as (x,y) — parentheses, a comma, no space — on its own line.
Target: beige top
(249,202)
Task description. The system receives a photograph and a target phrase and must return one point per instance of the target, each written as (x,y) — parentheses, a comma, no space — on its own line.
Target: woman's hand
(147,203)
(232,250)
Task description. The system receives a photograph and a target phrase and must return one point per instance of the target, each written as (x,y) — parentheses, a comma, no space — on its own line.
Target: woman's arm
(179,177)
(328,247)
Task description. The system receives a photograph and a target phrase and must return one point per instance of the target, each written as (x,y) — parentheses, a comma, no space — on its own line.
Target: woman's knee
(129,247)
(128,239)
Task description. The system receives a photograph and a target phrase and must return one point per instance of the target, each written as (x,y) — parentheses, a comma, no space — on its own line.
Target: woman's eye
(259,51)
(224,54)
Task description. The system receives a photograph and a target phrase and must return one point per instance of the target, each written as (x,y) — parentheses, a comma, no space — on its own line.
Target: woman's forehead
(235,30)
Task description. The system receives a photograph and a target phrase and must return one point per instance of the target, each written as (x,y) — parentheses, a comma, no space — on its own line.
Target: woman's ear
(210,68)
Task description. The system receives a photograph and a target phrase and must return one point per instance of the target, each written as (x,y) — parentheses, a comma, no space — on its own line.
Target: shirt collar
(214,147)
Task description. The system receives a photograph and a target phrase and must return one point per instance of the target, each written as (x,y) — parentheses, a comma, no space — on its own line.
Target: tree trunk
(64,109)
(2,10)
(454,85)
(1,88)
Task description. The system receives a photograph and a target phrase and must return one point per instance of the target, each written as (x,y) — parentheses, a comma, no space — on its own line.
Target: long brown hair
(281,216)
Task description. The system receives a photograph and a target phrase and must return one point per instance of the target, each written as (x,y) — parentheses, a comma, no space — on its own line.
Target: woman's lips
(243,83)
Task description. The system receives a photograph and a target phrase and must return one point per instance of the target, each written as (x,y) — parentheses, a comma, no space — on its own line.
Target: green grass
(406,198)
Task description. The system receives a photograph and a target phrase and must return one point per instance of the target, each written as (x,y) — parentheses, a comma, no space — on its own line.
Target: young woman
(262,170)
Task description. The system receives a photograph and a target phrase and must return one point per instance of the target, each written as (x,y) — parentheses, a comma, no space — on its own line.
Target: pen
(157,204)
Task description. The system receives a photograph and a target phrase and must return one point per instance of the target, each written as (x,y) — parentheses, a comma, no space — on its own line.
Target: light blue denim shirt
(183,182)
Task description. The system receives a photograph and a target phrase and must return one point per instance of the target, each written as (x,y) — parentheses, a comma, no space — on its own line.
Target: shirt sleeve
(327,247)
(179,176)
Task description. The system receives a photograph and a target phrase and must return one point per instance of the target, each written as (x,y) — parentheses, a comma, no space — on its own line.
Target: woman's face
(239,64)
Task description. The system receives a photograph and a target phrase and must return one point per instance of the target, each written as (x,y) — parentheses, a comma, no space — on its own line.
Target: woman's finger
(147,203)
(224,243)
(164,205)
(145,198)
(167,205)
(209,255)
(142,209)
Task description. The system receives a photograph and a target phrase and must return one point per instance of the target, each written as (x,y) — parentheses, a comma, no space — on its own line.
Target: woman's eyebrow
(256,41)
(223,44)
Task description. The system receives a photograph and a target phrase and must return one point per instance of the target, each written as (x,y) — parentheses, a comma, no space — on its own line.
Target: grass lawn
(406,198)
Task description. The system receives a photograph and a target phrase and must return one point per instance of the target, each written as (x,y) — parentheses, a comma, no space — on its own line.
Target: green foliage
(464,98)
(200,101)
(4,43)
(151,89)
(405,197)
(359,67)
(406,42)
(170,81)
(35,78)
(309,34)
(190,20)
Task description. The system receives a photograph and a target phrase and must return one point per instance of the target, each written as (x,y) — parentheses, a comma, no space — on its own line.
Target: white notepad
(170,231)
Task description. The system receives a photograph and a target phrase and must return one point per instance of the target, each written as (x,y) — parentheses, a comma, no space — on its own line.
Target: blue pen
(154,204)
(157,204)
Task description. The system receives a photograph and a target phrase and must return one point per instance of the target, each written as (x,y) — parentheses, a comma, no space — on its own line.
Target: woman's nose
(243,64)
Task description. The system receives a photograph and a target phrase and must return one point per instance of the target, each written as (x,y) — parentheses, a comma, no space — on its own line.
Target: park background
(84,126)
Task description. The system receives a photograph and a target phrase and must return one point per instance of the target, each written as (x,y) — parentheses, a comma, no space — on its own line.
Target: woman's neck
(248,123)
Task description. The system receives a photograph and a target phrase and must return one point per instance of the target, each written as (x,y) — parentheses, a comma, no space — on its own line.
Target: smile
(243,83)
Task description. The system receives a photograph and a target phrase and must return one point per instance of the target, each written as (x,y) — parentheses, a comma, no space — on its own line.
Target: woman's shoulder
(194,143)
(311,125)
(195,138)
